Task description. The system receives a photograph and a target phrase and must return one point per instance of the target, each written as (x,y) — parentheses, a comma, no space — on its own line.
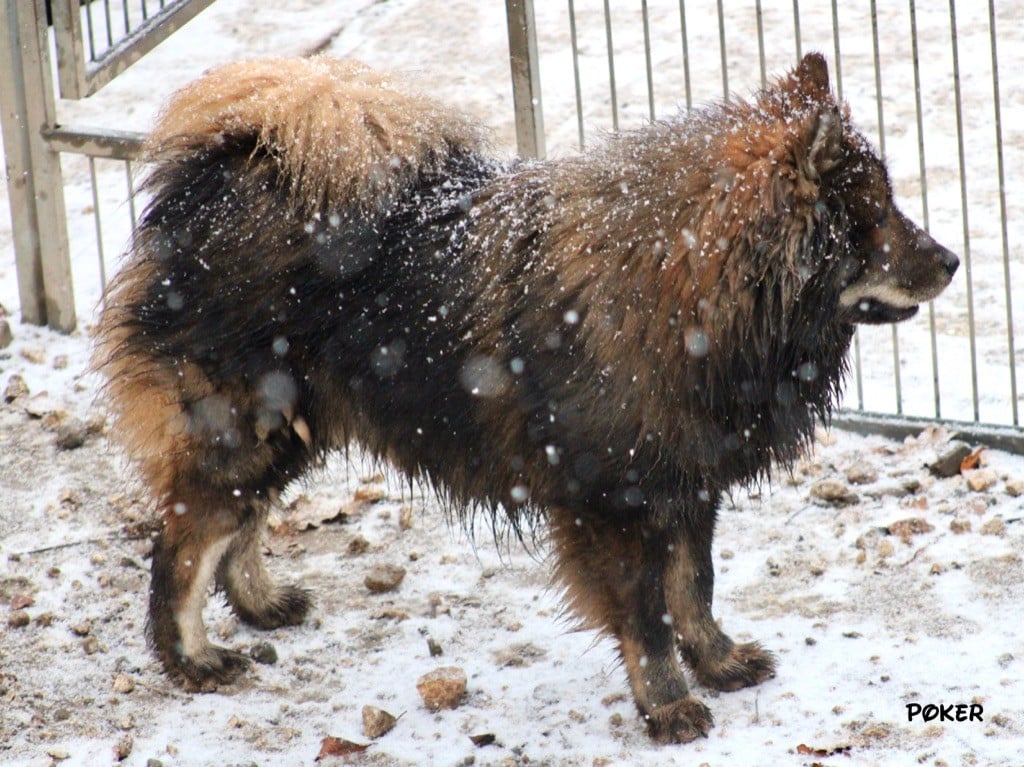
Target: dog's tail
(341,133)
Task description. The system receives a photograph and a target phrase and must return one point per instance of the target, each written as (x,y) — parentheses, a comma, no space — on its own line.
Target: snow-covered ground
(866,615)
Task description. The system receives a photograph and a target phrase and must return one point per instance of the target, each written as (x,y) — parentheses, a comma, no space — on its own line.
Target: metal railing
(94,41)
(693,43)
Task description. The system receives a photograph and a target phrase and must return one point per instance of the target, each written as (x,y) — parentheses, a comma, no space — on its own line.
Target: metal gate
(95,40)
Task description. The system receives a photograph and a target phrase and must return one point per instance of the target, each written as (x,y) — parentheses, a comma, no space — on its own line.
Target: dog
(606,342)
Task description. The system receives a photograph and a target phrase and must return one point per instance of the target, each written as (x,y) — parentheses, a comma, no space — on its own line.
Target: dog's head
(889,265)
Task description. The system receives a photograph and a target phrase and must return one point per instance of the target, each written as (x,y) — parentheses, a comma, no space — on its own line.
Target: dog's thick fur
(609,341)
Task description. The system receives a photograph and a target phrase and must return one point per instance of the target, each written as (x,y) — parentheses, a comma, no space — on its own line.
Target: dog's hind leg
(614,571)
(716,661)
(242,576)
(198,529)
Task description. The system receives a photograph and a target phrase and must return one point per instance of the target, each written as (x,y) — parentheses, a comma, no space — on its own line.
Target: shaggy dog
(607,341)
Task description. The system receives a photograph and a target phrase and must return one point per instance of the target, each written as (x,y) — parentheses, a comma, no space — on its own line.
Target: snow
(863,620)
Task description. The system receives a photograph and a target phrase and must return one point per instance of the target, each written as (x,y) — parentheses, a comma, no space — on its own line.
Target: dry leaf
(331,746)
(972,461)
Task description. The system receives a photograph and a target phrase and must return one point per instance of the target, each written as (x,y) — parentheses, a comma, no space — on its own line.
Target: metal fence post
(34,181)
(522,48)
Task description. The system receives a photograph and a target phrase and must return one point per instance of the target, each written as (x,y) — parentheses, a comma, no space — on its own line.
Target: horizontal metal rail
(108,144)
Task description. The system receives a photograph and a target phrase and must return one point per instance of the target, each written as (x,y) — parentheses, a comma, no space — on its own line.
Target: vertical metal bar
(647,58)
(37,200)
(686,54)
(522,49)
(923,173)
(130,183)
(1002,210)
(838,59)
(968,271)
(611,65)
(127,21)
(721,47)
(760,43)
(109,23)
(796,29)
(896,368)
(99,225)
(92,37)
(576,72)
(145,11)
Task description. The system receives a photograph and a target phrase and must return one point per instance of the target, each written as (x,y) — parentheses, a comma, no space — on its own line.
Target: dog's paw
(681,721)
(214,667)
(287,606)
(746,665)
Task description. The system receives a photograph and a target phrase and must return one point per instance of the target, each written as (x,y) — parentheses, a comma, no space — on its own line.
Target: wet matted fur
(608,341)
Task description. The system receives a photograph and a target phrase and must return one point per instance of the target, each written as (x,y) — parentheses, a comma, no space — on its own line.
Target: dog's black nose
(948,259)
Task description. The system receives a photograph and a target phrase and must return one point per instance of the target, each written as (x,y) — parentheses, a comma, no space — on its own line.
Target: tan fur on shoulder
(342,132)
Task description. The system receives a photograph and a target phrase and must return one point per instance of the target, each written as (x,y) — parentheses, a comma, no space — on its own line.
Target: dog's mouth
(871,311)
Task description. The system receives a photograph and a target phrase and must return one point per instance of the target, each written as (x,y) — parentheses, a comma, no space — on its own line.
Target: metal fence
(94,41)
(924,82)
(606,65)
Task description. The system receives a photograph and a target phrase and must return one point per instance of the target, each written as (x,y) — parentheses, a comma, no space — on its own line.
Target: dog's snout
(948,260)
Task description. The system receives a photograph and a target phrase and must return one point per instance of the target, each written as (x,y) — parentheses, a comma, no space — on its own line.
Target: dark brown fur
(608,341)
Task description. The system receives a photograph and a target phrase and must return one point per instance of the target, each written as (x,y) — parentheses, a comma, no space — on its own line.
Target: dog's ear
(810,78)
(824,137)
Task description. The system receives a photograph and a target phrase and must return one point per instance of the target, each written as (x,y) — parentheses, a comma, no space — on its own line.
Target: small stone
(906,528)
(154,763)
(34,354)
(726,554)
(60,362)
(442,688)
(885,548)
(384,578)
(18,619)
(123,684)
(57,753)
(123,749)
(40,405)
(960,526)
(369,495)
(6,336)
(358,545)
(377,721)
(82,629)
(264,653)
(435,647)
(980,480)
(71,434)
(483,739)
(948,462)
(861,473)
(833,491)
(16,389)
(1015,487)
(91,645)
(994,526)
